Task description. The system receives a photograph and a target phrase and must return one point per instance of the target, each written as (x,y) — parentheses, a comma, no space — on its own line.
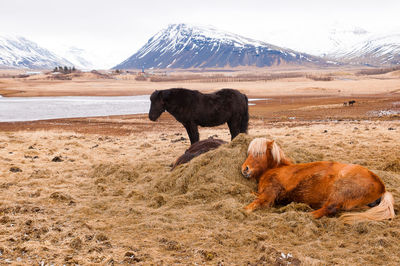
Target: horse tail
(384,210)
(244,122)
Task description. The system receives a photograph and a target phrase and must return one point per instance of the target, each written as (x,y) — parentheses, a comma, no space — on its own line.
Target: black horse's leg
(234,129)
(244,122)
(192,131)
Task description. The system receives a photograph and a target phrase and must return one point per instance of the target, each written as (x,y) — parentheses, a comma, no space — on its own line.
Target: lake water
(251,100)
(39,108)
(13,109)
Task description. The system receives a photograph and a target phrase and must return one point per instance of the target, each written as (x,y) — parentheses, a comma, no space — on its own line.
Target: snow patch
(384,113)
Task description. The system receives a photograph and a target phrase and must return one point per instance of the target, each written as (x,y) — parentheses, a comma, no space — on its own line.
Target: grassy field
(101,190)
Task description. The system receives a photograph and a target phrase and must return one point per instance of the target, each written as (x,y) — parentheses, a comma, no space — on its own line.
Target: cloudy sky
(112,30)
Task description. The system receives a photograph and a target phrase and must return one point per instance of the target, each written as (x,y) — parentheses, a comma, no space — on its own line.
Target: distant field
(337,82)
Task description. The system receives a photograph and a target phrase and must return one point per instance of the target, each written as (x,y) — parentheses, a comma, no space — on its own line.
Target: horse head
(157,106)
(263,154)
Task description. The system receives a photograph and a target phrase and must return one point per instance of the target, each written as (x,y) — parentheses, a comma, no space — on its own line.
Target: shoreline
(283,111)
(297,100)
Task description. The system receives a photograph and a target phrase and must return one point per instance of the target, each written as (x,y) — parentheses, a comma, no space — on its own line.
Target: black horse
(193,108)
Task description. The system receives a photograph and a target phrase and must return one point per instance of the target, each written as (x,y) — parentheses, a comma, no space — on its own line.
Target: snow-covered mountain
(317,41)
(342,38)
(345,43)
(184,46)
(374,50)
(77,56)
(18,52)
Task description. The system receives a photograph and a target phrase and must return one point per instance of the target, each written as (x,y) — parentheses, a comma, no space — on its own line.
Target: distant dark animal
(349,103)
(198,148)
(325,186)
(193,108)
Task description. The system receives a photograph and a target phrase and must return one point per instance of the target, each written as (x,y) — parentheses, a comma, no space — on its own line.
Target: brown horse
(197,149)
(325,186)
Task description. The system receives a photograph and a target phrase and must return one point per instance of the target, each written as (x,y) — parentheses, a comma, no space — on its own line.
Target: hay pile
(209,178)
(195,214)
(116,200)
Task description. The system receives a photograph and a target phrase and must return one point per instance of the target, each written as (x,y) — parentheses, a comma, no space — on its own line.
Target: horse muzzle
(153,117)
(246,172)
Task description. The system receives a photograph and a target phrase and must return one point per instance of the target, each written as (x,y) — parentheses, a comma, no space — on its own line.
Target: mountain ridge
(186,46)
(374,50)
(19,52)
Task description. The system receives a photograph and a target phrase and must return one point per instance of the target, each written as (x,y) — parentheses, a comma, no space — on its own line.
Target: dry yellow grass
(113,199)
(342,84)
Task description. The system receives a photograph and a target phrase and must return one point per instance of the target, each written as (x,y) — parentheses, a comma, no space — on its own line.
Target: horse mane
(259,147)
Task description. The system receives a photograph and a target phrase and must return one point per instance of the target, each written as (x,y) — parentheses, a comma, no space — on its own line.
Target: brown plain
(101,190)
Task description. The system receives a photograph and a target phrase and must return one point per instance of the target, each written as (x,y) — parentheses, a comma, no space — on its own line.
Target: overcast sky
(112,30)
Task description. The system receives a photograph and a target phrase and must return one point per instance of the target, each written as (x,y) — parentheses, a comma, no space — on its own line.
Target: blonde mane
(258,148)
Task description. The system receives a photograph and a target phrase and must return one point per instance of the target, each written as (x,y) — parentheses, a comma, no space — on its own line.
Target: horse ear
(274,150)
(270,144)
